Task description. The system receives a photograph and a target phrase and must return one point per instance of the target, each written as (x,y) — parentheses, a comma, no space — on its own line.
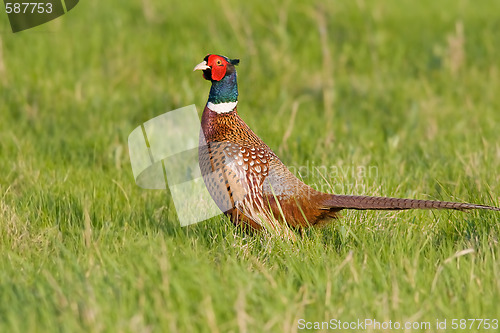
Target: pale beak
(201,66)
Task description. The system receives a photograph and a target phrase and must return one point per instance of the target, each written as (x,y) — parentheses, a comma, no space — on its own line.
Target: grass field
(406,91)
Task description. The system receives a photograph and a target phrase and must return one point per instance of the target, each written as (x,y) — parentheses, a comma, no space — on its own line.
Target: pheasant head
(221,72)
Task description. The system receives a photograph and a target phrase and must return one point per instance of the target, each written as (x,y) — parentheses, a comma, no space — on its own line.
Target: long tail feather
(385,203)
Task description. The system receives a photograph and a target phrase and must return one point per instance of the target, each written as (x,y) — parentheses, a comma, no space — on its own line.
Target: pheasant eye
(218,62)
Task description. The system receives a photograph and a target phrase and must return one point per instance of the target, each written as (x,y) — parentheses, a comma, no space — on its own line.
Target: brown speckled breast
(247,180)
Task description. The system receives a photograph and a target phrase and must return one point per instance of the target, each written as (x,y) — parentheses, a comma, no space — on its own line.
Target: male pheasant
(248,181)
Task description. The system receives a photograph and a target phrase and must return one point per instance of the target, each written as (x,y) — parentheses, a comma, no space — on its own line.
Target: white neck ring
(222,107)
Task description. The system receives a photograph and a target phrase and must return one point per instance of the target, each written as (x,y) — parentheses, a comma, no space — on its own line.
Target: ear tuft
(234,61)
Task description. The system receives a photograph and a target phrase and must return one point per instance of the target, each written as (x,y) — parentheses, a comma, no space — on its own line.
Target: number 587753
(28,7)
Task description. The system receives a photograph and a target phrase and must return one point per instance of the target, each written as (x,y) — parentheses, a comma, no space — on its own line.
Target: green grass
(408,89)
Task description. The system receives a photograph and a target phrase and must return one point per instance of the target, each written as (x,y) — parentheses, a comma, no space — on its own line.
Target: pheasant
(250,184)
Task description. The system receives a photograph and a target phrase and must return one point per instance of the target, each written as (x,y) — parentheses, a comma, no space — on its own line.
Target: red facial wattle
(218,67)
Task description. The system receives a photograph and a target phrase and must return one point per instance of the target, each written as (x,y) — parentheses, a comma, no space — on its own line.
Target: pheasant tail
(384,203)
